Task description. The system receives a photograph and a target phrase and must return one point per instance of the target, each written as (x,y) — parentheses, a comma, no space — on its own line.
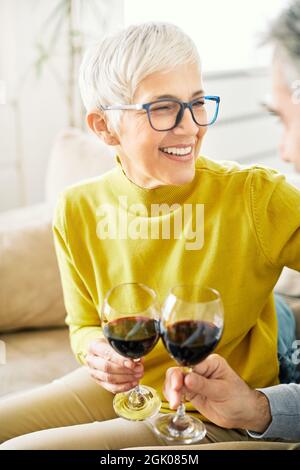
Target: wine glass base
(194,432)
(148,409)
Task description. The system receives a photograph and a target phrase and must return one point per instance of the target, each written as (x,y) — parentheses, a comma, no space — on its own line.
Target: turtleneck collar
(168,194)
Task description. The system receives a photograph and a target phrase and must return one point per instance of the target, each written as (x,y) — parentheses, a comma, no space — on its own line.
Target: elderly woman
(144,94)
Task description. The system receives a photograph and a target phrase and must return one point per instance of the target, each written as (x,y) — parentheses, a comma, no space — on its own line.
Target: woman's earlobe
(108,138)
(96,122)
(100,127)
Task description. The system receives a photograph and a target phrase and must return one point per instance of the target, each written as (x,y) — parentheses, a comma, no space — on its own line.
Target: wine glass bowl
(132,337)
(191,327)
(130,323)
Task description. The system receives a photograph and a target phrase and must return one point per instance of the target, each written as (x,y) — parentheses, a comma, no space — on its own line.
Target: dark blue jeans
(288,371)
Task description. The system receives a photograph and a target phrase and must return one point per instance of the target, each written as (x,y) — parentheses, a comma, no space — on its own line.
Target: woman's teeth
(176,151)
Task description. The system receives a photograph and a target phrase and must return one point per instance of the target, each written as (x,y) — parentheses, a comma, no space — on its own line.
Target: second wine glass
(191,327)
(130,322)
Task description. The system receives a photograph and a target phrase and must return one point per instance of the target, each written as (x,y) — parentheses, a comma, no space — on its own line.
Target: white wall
(43,111)
(226,34)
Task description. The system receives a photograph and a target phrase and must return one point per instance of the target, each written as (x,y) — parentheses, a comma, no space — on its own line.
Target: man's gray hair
(284,33)
(113,68)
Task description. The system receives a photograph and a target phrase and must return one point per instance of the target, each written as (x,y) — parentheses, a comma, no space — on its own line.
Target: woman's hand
(111,370)
(217,392)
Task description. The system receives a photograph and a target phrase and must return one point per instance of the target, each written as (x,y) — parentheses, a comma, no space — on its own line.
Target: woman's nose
(187,123)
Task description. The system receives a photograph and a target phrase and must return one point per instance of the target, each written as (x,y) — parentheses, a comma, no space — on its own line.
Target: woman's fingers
(116,388)
(102,349)
(111,368)
(114,378)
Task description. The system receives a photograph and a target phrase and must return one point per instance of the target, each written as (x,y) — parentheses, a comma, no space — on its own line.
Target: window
(226,32)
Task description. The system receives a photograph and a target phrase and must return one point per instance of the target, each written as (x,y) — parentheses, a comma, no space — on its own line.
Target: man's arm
(284,404)
(222,396)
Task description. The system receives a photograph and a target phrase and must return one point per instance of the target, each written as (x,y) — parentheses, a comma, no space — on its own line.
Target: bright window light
(226,32)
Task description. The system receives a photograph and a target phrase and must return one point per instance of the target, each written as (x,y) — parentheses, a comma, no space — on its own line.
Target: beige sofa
(31,302)
(32,311)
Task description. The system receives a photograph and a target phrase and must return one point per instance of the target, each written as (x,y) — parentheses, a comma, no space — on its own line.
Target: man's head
(284,34)
(135,66)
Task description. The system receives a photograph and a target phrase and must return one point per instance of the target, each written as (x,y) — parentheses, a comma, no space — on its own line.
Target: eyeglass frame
(183,106)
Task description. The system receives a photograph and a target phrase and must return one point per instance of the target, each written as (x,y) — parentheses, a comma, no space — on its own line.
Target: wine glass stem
(136,398)
(137,388)
(180,412)
(180,422)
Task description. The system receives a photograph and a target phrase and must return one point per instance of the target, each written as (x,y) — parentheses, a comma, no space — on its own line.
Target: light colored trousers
(75,413)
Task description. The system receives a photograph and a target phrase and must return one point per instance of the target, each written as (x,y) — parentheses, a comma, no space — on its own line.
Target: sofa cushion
(30,290)
(76,155)
(35,358)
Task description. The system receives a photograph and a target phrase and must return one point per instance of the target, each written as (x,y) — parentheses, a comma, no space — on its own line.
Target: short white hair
(112,69)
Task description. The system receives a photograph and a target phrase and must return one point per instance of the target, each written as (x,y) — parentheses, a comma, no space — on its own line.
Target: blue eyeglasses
(166,114)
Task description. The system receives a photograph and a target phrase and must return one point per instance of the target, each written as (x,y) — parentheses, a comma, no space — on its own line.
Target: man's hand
(112,371)
(217,392)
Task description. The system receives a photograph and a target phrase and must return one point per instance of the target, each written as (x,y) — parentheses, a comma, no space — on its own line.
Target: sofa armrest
(30,288)
(76,156)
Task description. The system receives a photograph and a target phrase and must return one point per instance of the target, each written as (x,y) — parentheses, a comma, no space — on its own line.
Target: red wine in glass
(191,327)
(189,341)
(132,337)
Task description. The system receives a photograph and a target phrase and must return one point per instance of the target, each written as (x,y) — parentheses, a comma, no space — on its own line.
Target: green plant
(62,34)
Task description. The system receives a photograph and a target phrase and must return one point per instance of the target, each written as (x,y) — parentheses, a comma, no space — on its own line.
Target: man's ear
(98,124)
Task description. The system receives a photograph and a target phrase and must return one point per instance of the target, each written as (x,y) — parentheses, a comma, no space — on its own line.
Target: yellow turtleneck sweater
(242,226)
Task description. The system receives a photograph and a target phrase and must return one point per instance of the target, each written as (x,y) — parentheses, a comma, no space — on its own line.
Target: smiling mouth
(183,153)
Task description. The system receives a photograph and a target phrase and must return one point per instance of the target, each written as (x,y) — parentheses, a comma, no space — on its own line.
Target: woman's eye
(199,103)
(161,108)
(164,109)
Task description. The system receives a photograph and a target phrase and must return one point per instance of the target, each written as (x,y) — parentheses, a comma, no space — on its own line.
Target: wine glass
(130,320)
(191,327)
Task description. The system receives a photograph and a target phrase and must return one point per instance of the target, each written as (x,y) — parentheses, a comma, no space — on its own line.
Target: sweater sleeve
(285,411)
(275,206)
(82,315)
